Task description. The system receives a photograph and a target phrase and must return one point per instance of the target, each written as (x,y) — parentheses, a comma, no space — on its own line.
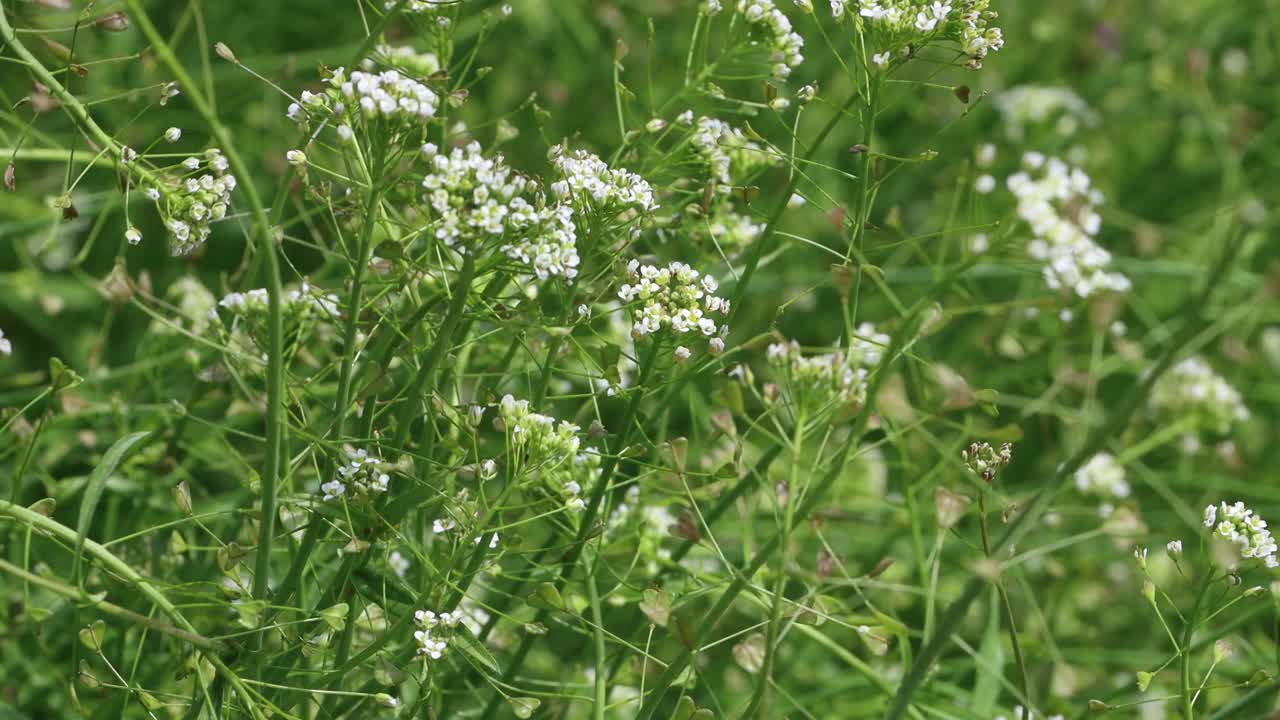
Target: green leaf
(991,654)
(93,491)
(475,651)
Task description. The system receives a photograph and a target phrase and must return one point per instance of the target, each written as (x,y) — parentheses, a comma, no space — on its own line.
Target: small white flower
(133,235)
(984,184)
(1174,547)
(128,154)
(296,157)
(191,163)
(173,135)
(344,133)
(681,353)
(442,525)
(399,563)
(985,155)
(881,59)
(1140,554)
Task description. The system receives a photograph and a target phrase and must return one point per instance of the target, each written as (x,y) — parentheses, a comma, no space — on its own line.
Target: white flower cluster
(1192,389)
(194,303)
(1102,475)
(363,475)
(188,206)
(675,296)
(731,230)
(1240,526)
(299,303)
(827,378)
(1058,206)
(389,96)
(727,151)
(539,437)
(1021,713)
(1031,105)
(422,6)
(403,58)
(431,644)
(867,345)
(783,43)
(584,176)
(547,239)
(572,490)
(475,197)
(904,23)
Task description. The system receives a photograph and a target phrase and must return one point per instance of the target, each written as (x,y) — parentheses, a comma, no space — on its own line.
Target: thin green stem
(1184,649)
(275,427)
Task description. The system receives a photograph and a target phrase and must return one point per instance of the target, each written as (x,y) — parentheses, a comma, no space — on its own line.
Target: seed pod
(113,22)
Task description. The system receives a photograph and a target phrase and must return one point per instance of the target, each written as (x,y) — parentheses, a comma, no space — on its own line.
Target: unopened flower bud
(225,53)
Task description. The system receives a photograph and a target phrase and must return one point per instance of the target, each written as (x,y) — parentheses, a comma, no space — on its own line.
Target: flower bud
(225,53)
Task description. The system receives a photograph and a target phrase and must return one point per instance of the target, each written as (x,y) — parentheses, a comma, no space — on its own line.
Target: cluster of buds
(985,460)
(363,476)
(784,45)
(572,477)
(405,59)
(1239,525)
(190,204)
(826,378)
(301,303)
(431,644)
(539,436)
(904,24)
(676,297)
(730,156)
(390,98)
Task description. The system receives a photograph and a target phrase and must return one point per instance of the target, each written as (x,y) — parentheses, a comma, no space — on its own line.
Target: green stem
(439,346)
(587,522)
(275,429)
(74,593)
(602,672)
(758,705)
(1188,630)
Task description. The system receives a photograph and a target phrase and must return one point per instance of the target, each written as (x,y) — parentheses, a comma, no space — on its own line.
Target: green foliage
(638,359)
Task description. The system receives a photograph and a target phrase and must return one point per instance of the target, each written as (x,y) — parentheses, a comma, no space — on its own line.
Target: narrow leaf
(93,491)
